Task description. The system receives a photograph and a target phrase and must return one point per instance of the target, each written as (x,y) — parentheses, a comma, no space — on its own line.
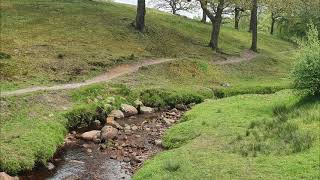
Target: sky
(188,14)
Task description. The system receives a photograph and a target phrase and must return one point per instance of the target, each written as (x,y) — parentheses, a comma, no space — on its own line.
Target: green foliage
(81,116)
(94,108)
(227,92)
(4,55)
(306,73)
(296,20)
(162,97)
(171,166)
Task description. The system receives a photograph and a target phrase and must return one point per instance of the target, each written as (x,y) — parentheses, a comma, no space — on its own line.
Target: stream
(113,160)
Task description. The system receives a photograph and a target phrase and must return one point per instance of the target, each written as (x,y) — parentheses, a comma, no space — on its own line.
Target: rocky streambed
(113,149)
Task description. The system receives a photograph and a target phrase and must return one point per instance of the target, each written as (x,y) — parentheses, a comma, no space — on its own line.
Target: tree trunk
(254,25)
(236,18)
(273,21)
(174,11)
(204,17)
(141,12)
(173,7)
(216,24)
(251,22)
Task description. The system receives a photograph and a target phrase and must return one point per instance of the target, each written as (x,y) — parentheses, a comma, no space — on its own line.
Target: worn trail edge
(111,74)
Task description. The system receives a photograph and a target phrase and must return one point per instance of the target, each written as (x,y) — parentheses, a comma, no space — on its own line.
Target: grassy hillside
(60,41)
(243,137)
(53,42)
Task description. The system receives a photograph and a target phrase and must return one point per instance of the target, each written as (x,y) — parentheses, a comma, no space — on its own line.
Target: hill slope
(52,42)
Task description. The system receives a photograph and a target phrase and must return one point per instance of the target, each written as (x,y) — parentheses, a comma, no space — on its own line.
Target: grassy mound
(205,144)
(51,42)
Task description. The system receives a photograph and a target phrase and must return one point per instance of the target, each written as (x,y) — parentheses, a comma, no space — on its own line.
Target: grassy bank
(217,141)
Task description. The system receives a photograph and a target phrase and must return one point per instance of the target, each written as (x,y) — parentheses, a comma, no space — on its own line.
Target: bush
(171,166)
(227,92)
(306,73)
(81,116)
(162,97)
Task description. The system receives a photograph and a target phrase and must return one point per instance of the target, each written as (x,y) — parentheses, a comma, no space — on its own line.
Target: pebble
(89,150)
(50,166)
(134,128)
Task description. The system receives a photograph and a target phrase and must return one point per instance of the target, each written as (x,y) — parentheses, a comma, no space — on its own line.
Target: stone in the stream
(174,110)
(181,107)
(168,121)
(91,135)
(191,105)
(134,128)
(108,132)
(50,166)
(5,176)
(110,121)
(158,142)
(171,113)
(127,127)
(89,150)
(128,110)
(146,110)
(117,114)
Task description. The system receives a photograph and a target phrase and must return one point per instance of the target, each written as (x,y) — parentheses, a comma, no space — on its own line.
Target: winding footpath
(120,71)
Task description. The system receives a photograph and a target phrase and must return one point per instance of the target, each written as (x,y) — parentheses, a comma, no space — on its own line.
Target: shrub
(306,73)
(227,92)
(162,97)
(171,165)
(4,55)
(81,116)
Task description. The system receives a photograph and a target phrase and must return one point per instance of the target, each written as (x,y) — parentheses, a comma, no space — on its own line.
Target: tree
(237,15)
(239,7)
(204,15)
(254,25)
(173,5)
(278,9)
(141,12)
(215,15)
(296,17)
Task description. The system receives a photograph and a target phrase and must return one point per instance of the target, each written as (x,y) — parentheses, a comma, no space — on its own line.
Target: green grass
(204,143)
(51,42)
(31,130)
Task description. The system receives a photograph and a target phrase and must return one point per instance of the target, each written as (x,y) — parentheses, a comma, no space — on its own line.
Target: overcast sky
(134,2)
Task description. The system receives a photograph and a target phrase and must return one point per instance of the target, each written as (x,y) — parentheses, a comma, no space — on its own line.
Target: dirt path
(122,70)
(111,74)
(244,56)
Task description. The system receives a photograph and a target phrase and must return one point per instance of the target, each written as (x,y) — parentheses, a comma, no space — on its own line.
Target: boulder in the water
(5,176)
(146,110)
(117,114)
(108,132)
(128,110)
(91,135)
